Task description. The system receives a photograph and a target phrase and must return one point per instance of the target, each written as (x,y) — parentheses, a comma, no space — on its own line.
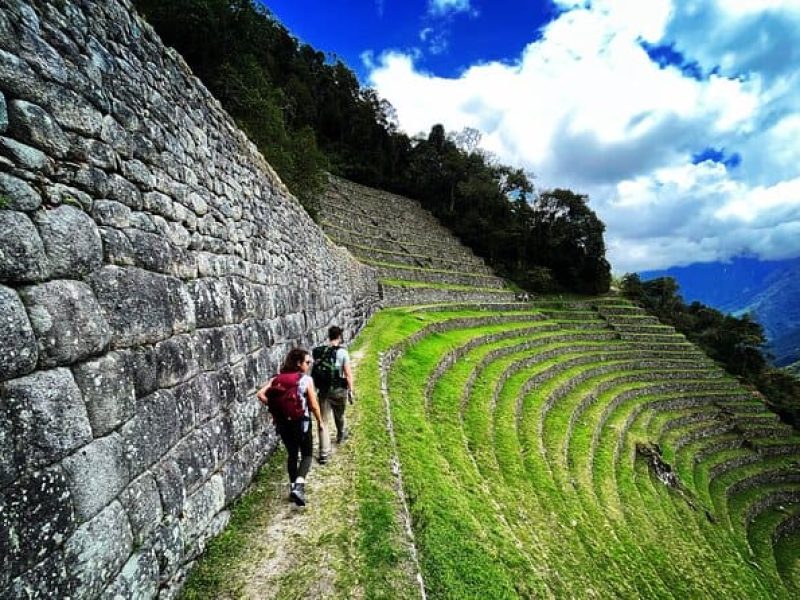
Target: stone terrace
(418,260)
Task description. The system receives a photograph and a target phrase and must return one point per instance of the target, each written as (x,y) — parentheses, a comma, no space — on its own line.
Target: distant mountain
(768,289)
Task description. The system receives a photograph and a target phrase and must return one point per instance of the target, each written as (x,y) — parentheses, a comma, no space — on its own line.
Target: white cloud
(436,41)
(443,7)
(585,107)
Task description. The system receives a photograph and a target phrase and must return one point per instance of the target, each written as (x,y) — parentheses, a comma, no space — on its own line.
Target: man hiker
(333,379)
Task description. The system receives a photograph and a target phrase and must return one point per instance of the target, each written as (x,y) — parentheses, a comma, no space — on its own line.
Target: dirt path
(308,552)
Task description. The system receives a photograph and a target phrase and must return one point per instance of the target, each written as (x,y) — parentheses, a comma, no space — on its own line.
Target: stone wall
(153,271)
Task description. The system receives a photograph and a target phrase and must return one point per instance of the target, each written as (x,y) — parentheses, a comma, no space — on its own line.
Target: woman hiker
(290,397)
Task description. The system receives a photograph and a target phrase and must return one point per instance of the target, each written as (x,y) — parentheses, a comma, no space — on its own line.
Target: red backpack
(283,397)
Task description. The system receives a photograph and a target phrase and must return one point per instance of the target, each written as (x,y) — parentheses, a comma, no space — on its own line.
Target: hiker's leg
(289,433)
(324,435)
(306,452)
(339,402)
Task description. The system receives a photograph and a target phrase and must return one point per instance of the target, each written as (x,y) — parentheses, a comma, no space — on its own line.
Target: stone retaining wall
(153,272)
(404,296)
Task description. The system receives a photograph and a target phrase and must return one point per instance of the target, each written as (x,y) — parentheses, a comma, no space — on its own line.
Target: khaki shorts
(337,396)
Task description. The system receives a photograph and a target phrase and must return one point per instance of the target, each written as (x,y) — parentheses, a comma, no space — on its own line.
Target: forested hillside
(308,114)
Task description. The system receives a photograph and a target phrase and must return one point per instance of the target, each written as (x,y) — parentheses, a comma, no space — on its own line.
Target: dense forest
(308,114)
(735,342)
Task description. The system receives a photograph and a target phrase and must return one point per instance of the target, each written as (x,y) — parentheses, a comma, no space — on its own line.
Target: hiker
(333,378)
(290,396)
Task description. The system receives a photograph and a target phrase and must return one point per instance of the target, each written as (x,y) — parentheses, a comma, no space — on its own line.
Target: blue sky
(680,120)
(447,40)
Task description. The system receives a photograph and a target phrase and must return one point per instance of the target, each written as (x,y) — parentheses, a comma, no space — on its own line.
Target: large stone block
(25,156)
(152,251)
(175,361)
(22,254)
(97,551)
(18,353)
(44,418)
(120,189)
(94,152)
(143,366)
(235,343)
(117,248)
(207,400)
(31,124)
(71,241)
(171,556)
(238,471)
(212,303)
(108,389)
(210,348)
(18,194)
(16,76)
(111,213)
(153,431)
(201,507)
(40,581)
(74,113)
(136,303)
(96,474)
(67,320)
(36,516)
(142,502)
(170,487)
(58,193)
(138,579)
(113,134)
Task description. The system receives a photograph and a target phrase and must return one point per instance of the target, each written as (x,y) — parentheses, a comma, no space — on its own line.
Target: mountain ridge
(766,289)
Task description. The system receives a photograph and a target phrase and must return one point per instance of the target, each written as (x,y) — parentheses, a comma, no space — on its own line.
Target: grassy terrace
(553,452)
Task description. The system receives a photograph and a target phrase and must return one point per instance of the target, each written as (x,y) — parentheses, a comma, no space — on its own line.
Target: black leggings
(297,442)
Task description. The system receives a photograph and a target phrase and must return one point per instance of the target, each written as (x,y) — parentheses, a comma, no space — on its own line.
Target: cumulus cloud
(586,107)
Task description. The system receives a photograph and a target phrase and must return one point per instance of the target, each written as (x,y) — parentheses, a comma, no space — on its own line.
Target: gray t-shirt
(342,359)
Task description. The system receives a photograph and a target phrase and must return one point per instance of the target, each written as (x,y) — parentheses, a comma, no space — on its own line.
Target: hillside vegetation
(569,446)
(308,114)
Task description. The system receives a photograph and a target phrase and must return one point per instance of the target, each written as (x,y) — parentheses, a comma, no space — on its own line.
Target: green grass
(211,577)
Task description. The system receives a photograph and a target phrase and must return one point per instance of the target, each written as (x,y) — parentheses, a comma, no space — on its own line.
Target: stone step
(429,260)
(389,241)
(400,295)
(622,310)
(629,319)
(572,315)
(386,271)
(487,306)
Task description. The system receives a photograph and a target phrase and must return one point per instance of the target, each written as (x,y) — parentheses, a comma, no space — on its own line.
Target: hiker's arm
(348,375)
(262,393)
(314,405)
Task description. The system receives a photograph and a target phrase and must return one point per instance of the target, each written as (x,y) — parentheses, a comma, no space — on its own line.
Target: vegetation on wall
(735,342)
(308,114)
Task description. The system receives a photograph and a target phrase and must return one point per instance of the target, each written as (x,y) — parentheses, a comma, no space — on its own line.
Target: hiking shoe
(342,436)
(298,494)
